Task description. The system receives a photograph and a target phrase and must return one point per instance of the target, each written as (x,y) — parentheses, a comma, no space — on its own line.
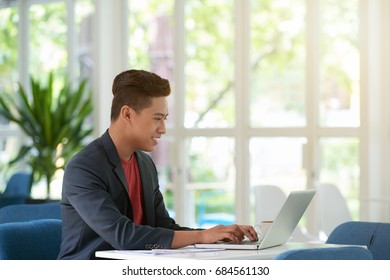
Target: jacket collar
(113,158)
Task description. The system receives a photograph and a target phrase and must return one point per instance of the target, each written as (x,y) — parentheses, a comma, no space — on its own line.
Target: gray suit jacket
(96,209)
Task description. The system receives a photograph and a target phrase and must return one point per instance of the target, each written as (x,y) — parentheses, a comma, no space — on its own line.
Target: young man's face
(149,124)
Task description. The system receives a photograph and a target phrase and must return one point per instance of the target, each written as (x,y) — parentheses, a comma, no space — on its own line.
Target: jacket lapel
(114,159)
(146,181)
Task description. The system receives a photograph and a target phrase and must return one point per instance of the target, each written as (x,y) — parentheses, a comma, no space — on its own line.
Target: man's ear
(126,113)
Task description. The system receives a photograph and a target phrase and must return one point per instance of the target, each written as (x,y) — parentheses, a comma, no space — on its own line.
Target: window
(284,145)
(38,37)
(277,64)
(262,92)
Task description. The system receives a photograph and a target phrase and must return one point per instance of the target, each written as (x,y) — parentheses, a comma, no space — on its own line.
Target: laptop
(281,228)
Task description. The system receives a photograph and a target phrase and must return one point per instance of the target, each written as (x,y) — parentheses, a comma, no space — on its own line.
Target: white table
(199,254)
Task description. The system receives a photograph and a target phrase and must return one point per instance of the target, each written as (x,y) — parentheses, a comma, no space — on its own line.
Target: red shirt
(134,187)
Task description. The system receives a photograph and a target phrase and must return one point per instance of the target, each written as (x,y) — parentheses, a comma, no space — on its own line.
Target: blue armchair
(33,240)
(17,189)
(332,253)
(28,212)
(374,235)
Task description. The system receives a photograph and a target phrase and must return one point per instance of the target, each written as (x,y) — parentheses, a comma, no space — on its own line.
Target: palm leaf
(49,120)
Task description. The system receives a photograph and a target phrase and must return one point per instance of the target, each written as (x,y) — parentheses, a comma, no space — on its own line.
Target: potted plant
(54,122)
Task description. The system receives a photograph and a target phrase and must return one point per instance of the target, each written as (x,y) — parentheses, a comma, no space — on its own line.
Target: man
(110,194)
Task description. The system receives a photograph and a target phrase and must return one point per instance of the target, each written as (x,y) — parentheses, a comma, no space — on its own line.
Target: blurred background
(264,92)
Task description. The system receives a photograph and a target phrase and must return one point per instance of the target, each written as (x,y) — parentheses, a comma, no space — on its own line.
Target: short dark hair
(136,88)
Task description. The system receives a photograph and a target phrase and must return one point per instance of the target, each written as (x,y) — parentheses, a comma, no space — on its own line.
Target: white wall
(375,166)
(110,56)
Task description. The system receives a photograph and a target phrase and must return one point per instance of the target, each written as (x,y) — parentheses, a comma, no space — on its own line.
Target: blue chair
(331,253)
(17,189)
(33,240)
(28,212)
(374,235)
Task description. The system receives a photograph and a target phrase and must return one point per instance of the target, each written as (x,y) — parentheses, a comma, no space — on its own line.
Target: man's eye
(159,119)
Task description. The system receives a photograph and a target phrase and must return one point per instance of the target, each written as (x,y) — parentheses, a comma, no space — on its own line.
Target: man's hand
(233,233)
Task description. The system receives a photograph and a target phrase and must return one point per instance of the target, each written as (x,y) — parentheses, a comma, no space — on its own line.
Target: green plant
(53,121)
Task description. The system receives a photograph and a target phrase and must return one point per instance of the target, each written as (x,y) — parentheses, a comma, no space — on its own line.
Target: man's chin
(148,150)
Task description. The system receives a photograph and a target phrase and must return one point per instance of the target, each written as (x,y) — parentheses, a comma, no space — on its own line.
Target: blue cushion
(374,235)
(353,233)
(33,240)
(11,200)
(336,253)
(380,245)
(28,212)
